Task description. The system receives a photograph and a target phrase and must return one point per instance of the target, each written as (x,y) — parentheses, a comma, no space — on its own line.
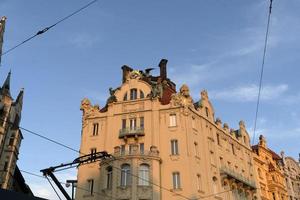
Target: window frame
(144,175)
(174,147)
(125,175)
(176,180)
(172,120)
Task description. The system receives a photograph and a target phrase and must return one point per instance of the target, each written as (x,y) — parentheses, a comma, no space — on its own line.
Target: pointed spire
(6,85)
(5,90)
(19,99)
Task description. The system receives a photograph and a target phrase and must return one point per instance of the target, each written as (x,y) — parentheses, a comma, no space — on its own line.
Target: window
(232,148)
(196,149)
(172,119)
(215,186)
(144,175)
(93,153)
(123,123)
(125,97)
(109,177)
(91,186)
(174,147)
(11,140)
(141,122)
(122,149)
(130,148)
(142,148)
(132,123)
(199,183)
(218,138)
(142,94)
(206,111)
(5,166)
(133,94)
(176,180)
(95,129)
(125,175)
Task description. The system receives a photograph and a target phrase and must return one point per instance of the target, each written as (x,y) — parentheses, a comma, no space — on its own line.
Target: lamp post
(74,184)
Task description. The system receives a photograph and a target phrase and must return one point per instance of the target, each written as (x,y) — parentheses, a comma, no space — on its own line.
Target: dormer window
(133,94)
(142,94)
(125,97)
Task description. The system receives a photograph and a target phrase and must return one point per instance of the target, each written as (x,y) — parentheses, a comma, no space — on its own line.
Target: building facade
(270,172)
(292,176)
(165,145)
(10,134)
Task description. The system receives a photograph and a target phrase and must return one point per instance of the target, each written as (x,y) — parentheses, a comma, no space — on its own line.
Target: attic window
(125,97)
(133,94)
(142,94)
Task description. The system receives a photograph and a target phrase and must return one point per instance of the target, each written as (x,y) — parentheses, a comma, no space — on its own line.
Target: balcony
(237,176)
(131,132)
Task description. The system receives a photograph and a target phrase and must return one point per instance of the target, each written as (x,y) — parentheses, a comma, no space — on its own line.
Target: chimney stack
(163,68)
(126,71)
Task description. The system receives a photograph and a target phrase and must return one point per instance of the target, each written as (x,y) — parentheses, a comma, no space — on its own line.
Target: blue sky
(214,44)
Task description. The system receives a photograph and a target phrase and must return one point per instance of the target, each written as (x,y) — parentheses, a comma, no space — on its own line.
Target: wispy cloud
(84,40)
(248,93)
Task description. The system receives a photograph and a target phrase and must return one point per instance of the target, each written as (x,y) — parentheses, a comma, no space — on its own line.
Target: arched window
(144,175)
(133,94)
(125,97)
(125,175)
(142,94)
(215,184)
(109,177)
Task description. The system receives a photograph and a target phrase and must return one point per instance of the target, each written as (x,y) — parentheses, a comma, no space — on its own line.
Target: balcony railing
(239,177)
(131,132)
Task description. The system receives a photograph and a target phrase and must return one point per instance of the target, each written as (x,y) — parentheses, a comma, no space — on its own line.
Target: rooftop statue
(182,98)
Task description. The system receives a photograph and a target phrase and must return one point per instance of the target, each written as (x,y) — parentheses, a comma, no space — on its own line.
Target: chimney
(126,71)
(163,68)
(299,158)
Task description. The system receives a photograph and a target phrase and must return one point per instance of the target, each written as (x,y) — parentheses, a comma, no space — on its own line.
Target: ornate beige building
(292,176)
(165,145)
(270,174)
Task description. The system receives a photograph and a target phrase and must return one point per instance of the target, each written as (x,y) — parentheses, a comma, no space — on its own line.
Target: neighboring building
(10,134)
(270,174)
(2,28)
(292,176)
(165,145)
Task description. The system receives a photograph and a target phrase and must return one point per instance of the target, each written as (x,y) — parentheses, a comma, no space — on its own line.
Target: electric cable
(72,149)
(262,71)
(53,187)
(40,32)
(77,187)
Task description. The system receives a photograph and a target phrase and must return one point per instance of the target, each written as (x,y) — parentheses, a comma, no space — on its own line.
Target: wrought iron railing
(131,132)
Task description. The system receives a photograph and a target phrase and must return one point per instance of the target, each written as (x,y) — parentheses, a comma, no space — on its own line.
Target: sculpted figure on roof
(183,98)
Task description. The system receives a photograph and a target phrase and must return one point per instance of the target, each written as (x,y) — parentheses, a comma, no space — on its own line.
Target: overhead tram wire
(72,149)
(80,188)
(40,32)
(262,71)
(53,187)
(77,187)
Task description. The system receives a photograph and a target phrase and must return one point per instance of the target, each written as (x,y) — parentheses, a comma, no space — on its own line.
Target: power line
(40,32)
(262,70)
(72,149)
(53,187)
